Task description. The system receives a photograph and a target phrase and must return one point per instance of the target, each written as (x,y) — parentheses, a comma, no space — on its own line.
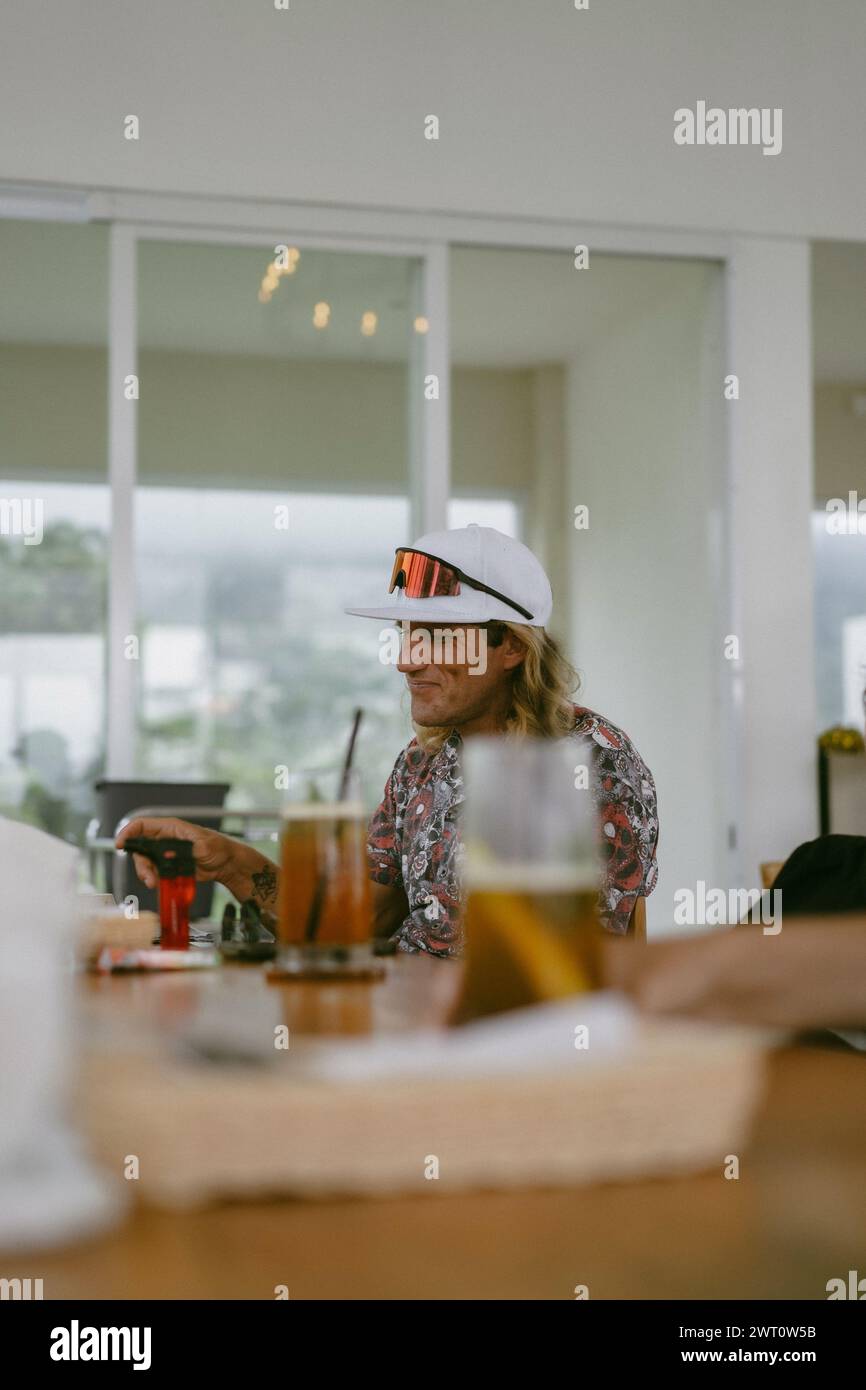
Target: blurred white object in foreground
(50,1192)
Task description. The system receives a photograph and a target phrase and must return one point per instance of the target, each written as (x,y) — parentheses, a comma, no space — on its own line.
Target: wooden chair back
(638,920)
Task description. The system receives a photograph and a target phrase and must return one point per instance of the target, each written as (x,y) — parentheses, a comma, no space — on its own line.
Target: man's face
(454,673)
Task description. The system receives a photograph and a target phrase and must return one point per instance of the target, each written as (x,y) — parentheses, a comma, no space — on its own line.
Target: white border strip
(216,215)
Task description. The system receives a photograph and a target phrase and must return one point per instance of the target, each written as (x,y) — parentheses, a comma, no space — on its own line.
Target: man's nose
(407,661)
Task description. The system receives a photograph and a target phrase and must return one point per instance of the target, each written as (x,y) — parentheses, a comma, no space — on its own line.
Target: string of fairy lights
(287,264)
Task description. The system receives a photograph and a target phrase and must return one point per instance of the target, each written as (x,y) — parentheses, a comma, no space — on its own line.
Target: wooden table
(795,1218)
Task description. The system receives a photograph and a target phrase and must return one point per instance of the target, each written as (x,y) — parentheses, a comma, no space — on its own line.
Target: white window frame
(429,419)
(747,264)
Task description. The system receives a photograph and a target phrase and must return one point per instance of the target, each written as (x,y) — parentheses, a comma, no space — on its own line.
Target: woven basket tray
(677,1099)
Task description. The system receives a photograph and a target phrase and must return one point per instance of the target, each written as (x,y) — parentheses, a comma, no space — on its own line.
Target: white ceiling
(508,308)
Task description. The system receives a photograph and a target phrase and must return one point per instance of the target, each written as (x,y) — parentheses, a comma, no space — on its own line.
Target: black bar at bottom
(247,1337)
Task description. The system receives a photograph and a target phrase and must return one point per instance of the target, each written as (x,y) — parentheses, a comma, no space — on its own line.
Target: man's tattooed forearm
(265,885)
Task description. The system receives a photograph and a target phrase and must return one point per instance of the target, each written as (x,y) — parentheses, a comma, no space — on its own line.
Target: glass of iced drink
(324,909)
(530,873)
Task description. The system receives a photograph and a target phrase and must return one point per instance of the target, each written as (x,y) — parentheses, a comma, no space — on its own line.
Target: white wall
(545,111)
(646,457)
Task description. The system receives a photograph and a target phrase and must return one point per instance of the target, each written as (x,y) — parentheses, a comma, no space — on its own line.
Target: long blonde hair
(541,689)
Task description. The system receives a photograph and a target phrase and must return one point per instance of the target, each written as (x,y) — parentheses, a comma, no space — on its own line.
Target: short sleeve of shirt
(383,843)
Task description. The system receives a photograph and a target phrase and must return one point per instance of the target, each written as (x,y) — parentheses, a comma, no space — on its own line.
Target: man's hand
(242,870)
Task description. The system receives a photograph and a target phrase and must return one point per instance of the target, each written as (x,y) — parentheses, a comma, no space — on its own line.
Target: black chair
(824,875)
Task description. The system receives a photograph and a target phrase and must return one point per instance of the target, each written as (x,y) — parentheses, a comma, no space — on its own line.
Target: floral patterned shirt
(413,840)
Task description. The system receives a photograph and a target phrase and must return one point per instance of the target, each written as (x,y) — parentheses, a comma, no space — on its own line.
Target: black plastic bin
(117,799)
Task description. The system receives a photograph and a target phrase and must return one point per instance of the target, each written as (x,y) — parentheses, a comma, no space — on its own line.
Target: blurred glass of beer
(530,874)
(324,911)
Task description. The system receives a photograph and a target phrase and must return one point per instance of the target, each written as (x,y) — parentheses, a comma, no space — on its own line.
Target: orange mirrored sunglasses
(420,575)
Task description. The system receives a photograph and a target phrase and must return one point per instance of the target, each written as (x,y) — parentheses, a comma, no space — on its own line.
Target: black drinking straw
(316,905)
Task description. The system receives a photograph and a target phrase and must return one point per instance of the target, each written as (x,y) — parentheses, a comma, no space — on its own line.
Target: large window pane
(54,514)
(248,659)
(840,623)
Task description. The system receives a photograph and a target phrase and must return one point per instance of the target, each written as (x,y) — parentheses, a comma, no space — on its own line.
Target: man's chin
(426,713)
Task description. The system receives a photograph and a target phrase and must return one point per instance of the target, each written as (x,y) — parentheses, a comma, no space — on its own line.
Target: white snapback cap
(487,555)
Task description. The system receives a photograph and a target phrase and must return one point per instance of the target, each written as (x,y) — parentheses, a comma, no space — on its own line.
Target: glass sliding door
(273,487)
(586,414)
(54,519)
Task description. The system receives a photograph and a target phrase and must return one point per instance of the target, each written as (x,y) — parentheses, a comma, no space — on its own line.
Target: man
(473,605)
